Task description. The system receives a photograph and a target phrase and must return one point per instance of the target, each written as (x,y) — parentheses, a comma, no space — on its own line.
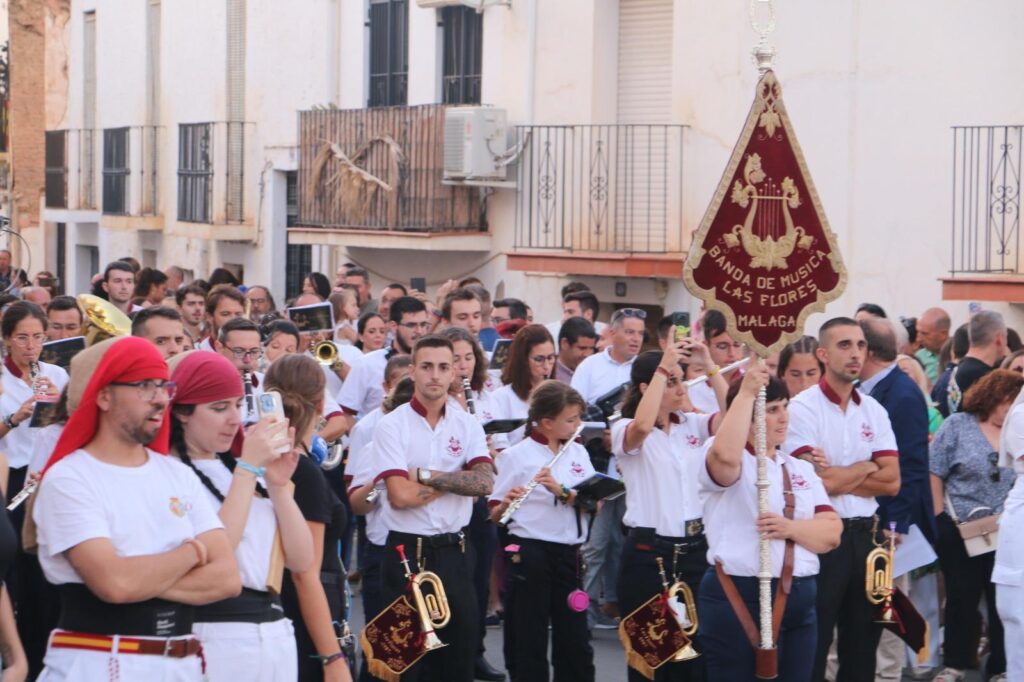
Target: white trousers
(80,665)
(1010,604)
(249,652)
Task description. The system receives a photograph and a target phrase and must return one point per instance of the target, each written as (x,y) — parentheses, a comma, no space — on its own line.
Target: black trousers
(967,578)
(639,580)
(483,539)
(542,574)
(727,650)
(452,564)
(843,605)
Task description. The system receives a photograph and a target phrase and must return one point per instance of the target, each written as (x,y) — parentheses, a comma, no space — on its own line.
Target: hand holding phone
(270,405)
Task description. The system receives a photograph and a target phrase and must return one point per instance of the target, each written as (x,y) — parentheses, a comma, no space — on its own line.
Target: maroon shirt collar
(420,409)
(12,368)
(833,396)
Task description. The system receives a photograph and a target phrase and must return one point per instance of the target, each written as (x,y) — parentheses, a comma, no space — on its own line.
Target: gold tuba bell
(431,606)
(685,594)
(326,353)
(878,574)
(103,320)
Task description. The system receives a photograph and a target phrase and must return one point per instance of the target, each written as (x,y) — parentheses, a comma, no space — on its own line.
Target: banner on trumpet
(392,642)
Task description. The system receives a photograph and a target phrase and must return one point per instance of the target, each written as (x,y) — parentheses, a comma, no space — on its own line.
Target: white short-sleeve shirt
(541,516)
(863,432)
(363,390)
(505,404)
(703,397)
(142,510)
(730,513)
(661,475)
(599,374)
(257,544)
(404,440)
(360,471)
(17,388)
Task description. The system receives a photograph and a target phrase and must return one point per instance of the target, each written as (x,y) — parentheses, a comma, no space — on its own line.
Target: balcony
(372,178)
(600,200)
(987,261)
(121,164)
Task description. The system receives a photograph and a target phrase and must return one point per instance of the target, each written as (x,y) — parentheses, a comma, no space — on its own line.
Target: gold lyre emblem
(768,234)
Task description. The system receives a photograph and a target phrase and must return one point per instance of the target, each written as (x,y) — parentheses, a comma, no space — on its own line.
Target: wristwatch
(422,475)
(9,421)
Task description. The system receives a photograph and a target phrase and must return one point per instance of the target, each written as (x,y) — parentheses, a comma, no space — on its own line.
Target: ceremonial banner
(651,636)
(392,642)
(764,254)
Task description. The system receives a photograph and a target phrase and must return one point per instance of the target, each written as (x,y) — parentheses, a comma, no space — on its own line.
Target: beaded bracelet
(259,472)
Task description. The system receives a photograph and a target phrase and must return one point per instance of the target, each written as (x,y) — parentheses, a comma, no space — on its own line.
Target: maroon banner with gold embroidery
(651,636)
(764,254)
(391,642)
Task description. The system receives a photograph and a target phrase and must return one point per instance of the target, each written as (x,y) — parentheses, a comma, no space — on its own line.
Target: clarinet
(468,390)
(514,506)
(250,398)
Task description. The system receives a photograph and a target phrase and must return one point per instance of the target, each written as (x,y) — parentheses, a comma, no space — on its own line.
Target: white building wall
(872,89)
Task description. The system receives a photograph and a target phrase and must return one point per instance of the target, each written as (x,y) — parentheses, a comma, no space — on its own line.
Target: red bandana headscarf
(205,378)
(124,360)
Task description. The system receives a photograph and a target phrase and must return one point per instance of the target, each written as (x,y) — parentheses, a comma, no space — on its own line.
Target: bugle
(878,577)
(687,619)
(432,607)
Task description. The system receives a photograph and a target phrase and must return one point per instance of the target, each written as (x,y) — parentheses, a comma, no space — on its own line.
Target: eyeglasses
(412,327)
(723,346)
(993,459)
(148,388)
(632,312)
(24,340)
(542,359)
(246,353)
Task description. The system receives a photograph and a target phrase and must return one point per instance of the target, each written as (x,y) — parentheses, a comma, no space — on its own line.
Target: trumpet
(514,506)
(432,607)
(687,619)
(326,353)
(878,576)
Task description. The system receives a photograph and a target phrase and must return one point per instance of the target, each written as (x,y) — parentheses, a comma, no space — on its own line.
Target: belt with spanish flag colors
(174,648)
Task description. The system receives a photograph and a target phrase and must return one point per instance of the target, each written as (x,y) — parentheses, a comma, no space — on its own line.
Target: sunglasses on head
(633,312)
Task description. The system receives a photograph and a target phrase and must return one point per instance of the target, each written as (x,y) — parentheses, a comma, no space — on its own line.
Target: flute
(728,368)
(514,506)
(24,493)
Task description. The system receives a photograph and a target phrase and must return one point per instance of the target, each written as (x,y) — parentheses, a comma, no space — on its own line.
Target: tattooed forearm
(477,481)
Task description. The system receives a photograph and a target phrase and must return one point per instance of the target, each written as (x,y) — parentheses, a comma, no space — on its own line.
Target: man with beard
(125,532)
(223,304)
(191,300)
(363,390)
(434,461)
(162,327)
(848,437)
(261,302)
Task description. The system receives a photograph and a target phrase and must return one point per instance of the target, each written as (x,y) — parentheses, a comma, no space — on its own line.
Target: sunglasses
(633,312)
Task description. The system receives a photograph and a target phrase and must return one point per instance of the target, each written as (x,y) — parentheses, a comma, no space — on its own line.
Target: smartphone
(418,283)
(269,405)
(681,321)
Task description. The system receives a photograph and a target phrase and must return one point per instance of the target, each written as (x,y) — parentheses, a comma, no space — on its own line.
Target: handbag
(980,536)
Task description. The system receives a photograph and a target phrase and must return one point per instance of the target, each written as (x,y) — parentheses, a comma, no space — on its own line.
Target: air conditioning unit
(475,142)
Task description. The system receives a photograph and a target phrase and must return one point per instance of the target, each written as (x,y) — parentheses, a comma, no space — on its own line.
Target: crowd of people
(204,490)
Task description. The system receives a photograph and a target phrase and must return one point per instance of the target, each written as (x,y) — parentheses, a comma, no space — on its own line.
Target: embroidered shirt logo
(799,482)
(866,433)
(454,446)
(180,507)
(488,416)
(692,441)
(576,469)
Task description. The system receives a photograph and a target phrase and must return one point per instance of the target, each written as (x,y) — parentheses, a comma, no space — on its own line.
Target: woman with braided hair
(247,635)
(313,598)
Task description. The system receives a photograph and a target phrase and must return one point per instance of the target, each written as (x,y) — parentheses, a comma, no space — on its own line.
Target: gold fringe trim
(376,667)
(924,653)
(633,659)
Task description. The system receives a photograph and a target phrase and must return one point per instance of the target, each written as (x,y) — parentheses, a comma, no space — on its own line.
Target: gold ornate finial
(763,52)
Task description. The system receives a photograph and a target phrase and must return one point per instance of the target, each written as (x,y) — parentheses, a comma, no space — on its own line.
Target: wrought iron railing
(380,169)
(600,188)
(987,199)
(56,169)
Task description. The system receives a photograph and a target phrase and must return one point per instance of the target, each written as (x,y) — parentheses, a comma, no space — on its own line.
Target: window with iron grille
(56,169)
(299,259)
(389,52)
(463,47)
(195,173)
(115,171)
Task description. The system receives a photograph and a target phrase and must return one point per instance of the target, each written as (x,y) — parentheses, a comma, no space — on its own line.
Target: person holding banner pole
(799,524)
(858,462)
